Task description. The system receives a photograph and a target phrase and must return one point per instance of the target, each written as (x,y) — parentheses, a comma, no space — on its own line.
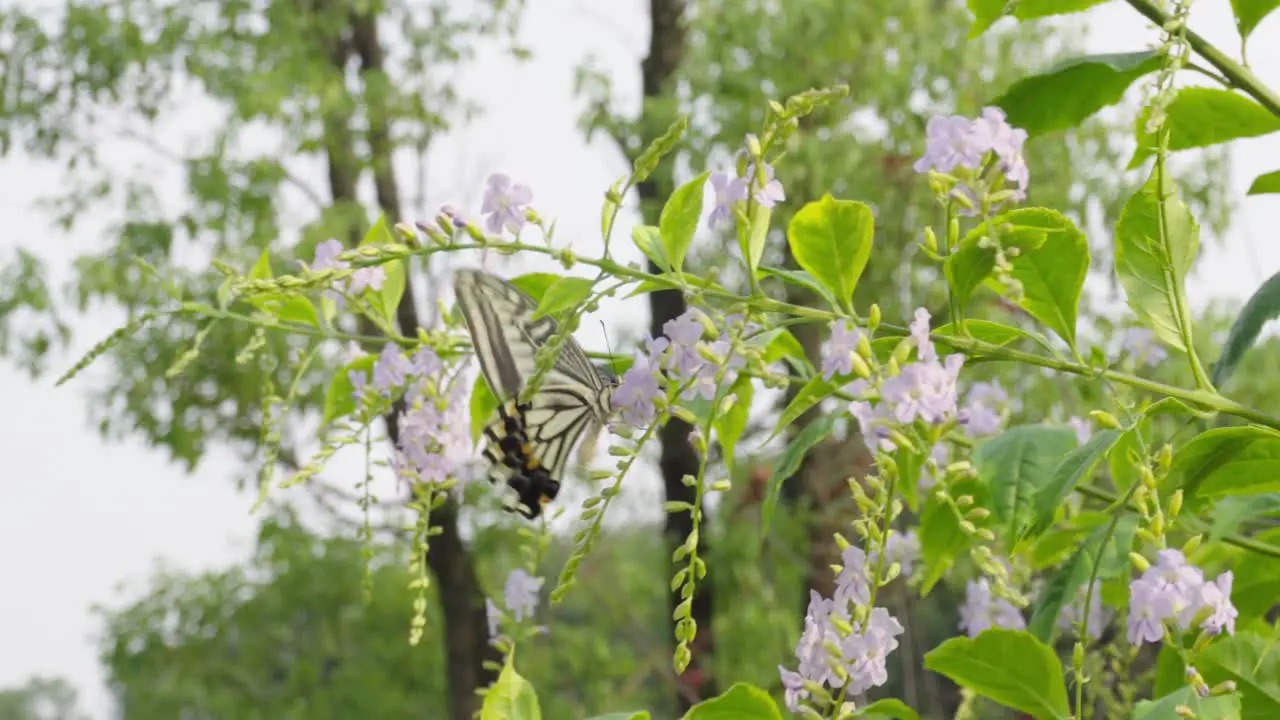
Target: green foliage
(1251,12)
(1052,272)
(1220,707)
(679,221)
(1011,667)
(511,697)
(1019,465)
(1065,95)
(41,698)
(1265,184)
(740,701)
(1262,307)
(831,240)
(1228,461)
(1078,466)
(1250,660)
(1199,116)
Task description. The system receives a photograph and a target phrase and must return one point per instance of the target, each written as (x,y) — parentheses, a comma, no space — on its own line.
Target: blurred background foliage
(315,113)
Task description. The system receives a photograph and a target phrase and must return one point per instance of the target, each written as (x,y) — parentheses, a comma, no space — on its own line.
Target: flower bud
(930,240)
(1105,419)
(873,319)
(1139,562)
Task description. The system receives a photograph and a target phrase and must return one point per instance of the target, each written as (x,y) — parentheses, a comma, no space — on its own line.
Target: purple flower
(772,192)
(521,593)
(425,362)
(368,277)
(1216,596)
(925,390)
(1140,344)
(853,583)
(638,390)
(359,381)
(793,684)
(504,204)
(327,256)
(390,369)
(1149,606)
(983,415)
(868,651)
(954,141)
(873,421)
(729,191)
(948,143)
(1082,428)
(920,331)
(837,357)
(494,617)
(982,611)
(684,332)
(902,549)
(941,455)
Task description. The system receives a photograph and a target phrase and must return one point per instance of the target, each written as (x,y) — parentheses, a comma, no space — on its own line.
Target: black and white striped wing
(499,317)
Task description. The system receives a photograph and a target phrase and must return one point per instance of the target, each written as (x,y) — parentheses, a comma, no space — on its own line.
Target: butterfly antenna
(608,348)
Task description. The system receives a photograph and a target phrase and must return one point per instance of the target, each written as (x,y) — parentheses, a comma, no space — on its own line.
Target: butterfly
(529,444)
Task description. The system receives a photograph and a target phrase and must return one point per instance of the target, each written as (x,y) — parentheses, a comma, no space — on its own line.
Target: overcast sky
(78,516)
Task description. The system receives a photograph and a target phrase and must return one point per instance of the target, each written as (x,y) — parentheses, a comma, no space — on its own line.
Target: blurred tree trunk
(466,627)
(667,45)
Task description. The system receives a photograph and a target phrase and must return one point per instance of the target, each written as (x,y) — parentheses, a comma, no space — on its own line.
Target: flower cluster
(682,354)
(983,610)
(434,436)
(922,390)
(861,649)
(955,142)
(519,599)
(1174,591)
(364,278)
(733,189)
(987,409)
(900,548)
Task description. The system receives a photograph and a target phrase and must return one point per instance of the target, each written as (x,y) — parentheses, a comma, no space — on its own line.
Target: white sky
(79,516)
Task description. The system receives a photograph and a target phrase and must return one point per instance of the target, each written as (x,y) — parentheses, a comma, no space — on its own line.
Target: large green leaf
(1053,274)
(535,284)
(679,220)
(338,400)
(565,293)
(831,240)
(729,426)
(1263,307)
(1010,667)
(740,702)
(1203,116)
(1251,12)
(482,407)
(1253,663)
(1152,265)
(1062,97)
(1017,465)
(1217,707)
(1228,461)
(885,709)
(941,540)
(1076,467)
(511,697)
(1061,588)
(987,12)
(1232,512)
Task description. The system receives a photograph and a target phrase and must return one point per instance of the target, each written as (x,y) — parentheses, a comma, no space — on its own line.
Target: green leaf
(788,462)
(261,269)
(730,425)
(299,309)
(941,540)
(1058,591)
(649,239)
(1053,274)
(740,702)
(565,293)
(1017,464)
(886,708)
(393,287)
(1253,662)
(1064,96)
(1011,667)
(379,233)
(511,697)
(1256,579)
(1076,467)
(1263,307)
(1228,461)
(1203,116)
(1251,12)
(535,284)
(338,401)
(813,392)
(987,12)
(1232,512)
(1218,707)
(783,345)
(1267,184)
(638,715)
(1153,269)
(483,406)
(831,240)
(752,236)
(679,220)
(1171,672)
(971,263)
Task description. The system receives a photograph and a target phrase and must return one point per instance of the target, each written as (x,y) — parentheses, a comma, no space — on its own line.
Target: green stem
(1239,75)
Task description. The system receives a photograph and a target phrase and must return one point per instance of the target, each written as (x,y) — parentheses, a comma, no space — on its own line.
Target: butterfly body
(529,444)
